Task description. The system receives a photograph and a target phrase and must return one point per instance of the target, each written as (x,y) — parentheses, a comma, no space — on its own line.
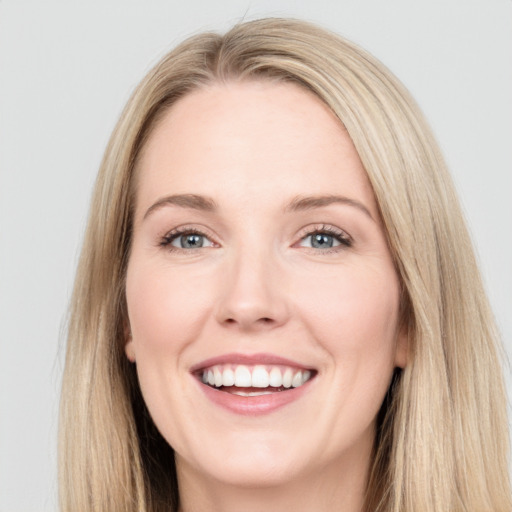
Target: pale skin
(270,272)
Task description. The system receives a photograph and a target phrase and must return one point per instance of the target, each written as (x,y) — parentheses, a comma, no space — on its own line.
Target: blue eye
(321,241)
(325,239)
(190,241)
(186,240)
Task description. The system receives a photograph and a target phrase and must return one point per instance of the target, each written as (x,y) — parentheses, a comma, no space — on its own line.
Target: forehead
(255,140)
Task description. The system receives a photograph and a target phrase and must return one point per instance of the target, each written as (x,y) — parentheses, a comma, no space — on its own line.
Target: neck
(329,488)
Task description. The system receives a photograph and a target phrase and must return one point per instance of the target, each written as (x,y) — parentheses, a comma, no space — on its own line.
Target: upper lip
(249,359)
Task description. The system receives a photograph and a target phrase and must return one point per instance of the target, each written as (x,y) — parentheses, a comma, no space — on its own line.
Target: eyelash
(171,236)
(345,241)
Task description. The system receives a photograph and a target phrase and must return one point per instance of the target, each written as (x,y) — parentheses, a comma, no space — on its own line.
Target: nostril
(264,320)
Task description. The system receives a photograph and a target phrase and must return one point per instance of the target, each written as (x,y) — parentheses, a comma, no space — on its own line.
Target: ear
(402,348)
(129,349)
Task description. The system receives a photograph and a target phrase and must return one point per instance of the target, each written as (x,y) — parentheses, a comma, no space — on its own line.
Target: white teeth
(243,377)
(218,376)
(228,377)
(297,380)
(287,378)
(260,377)
(251,393)
(275,378)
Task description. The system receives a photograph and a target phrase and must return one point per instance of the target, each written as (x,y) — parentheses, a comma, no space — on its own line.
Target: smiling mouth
(253,380)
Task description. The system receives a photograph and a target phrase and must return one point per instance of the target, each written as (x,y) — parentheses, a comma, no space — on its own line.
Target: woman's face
(259,265)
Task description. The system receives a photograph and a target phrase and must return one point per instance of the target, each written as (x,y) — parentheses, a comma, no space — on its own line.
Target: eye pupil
(191,241)
(320,240)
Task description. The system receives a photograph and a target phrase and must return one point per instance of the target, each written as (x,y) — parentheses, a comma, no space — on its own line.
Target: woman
(277,303)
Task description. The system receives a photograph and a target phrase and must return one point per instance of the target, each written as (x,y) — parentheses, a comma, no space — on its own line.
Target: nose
(253,295)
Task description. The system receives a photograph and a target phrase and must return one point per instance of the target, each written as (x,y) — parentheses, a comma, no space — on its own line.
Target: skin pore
(257,241)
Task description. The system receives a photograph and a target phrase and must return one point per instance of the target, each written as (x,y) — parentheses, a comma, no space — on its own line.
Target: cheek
(353,317)
(165,308)
(166,312)
(354,314)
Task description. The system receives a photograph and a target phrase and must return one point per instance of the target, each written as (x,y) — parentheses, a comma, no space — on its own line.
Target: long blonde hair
(442,438)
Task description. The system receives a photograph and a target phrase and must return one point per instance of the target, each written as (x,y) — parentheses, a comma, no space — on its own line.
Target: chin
(251,472)
(248,461)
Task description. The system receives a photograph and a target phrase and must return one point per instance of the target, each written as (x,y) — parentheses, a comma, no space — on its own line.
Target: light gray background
(67,69)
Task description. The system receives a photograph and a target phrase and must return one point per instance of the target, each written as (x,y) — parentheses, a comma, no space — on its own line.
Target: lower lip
(253,405)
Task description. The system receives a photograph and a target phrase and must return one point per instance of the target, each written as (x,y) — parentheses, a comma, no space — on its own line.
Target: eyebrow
(301,203)
(192,201)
